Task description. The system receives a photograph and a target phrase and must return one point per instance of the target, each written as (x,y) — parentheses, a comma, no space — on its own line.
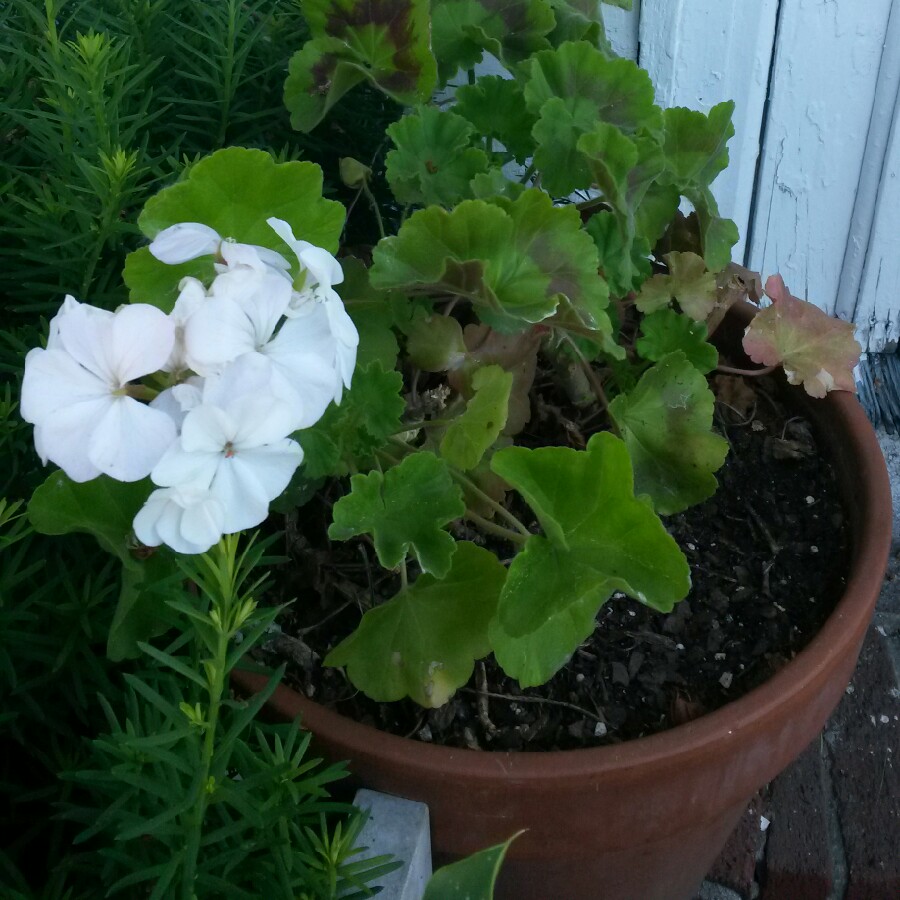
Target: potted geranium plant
(395,394)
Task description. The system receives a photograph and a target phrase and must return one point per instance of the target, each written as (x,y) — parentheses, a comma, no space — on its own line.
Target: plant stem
(596,384)
(493,528)
(752,373)
(374,204)
(498,508)
(404,575)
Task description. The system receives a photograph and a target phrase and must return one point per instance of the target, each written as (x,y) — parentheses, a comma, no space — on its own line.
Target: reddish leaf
(816,350)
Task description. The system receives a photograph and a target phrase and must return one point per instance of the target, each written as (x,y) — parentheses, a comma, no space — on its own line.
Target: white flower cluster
(255,355)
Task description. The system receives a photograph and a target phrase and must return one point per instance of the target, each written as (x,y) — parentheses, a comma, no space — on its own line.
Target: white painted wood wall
(814,181)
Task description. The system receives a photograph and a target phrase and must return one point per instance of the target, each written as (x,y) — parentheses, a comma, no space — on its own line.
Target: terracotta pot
(646,819)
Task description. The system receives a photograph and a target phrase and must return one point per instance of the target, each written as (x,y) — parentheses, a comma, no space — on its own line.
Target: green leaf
(102,507)
(599,537)
(696,147)
(470,435)
(579,20)
(435,343)
(434,160)
(463,29)
(571,90)
(383,41)
(511,258)
(374,313)
(404,510)
(625,264)
(233,191)
(424,642)
(666,331)
(141,610)
(688,282)
(494,183)
(666,422)
(472,878)
(496,107)
(347,436)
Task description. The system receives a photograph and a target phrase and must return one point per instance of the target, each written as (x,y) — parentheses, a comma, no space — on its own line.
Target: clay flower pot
(644,819)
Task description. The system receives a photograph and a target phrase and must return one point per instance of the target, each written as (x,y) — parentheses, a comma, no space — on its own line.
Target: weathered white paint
(878,309)
(869,290)
(623,28)
(699,54)
(821,98)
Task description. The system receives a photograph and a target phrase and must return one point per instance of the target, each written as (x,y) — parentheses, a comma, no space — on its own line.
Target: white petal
(129,439)
(177,468)
(323,267)
(250,374)
(64,438)
(68,304)
(187,521)
(217,333)
(54,381)
(262,297)
(273,465)
(85,333)
(187,240)
(207,429)
(244,498)
(202,523)
(261,420)
(142,340)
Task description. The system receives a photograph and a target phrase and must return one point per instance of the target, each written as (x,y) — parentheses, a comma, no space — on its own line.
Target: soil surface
(767,557)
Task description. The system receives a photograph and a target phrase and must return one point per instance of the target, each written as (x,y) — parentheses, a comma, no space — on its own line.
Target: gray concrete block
(401,828)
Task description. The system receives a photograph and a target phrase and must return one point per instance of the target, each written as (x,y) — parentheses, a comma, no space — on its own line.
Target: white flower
(184,518)
(192,295)
(191,240)
(235,445)
(76,391)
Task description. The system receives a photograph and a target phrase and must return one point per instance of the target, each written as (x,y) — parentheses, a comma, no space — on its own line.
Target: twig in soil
(416,727)
(354,599)
(766,533)
(365,556)
(515,698)
(489,727)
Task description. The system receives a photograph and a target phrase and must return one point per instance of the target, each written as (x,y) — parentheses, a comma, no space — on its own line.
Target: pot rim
(728,725)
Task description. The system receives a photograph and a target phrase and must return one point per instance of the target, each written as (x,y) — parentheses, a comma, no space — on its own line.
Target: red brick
(864,741)
(736,866)
(798,857)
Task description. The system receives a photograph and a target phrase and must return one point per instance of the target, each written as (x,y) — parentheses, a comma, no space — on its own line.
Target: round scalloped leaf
(667,331)
(816,350)
(666,423)
(625,264)
(234,191)
(511,258)
(383,41)
(433,162)
(599,536)
(423,643)
(689,282)
(404,510)
(496,107)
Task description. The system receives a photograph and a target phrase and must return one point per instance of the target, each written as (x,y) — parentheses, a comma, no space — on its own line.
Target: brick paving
(828,828)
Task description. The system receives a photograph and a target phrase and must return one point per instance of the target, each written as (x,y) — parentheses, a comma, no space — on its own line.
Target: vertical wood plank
(820,106)
(878,311)
(699,54)
(623,28)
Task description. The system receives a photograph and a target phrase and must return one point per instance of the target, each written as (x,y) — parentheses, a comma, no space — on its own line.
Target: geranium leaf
(666,331)
(102,507)
(374,313)
(493,183)
(435,343)
(666,423)
(578,20)
(511,259)
(463,29)
(816,350)
(404,510)
(696,147)
(233,191)
(423,643)
(598,538)
(433,162)
(347,436)
(383,41)
(496,107)
(625,264)
(469,436)
(688,282)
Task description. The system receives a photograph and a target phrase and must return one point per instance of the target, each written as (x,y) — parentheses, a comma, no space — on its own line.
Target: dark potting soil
(767,556)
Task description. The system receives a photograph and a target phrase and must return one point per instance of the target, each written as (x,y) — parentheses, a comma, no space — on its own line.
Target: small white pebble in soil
(880,630)
(726,680)
(618,595)
(632,613)
(764,823)
(884,719)
(895,693)
(720,656)
(679,646)
(810,500)
(425,733)
(850,689)
(691,547)
(758,426)
(599,730)
(579,677)
(872,718)
(813,549)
